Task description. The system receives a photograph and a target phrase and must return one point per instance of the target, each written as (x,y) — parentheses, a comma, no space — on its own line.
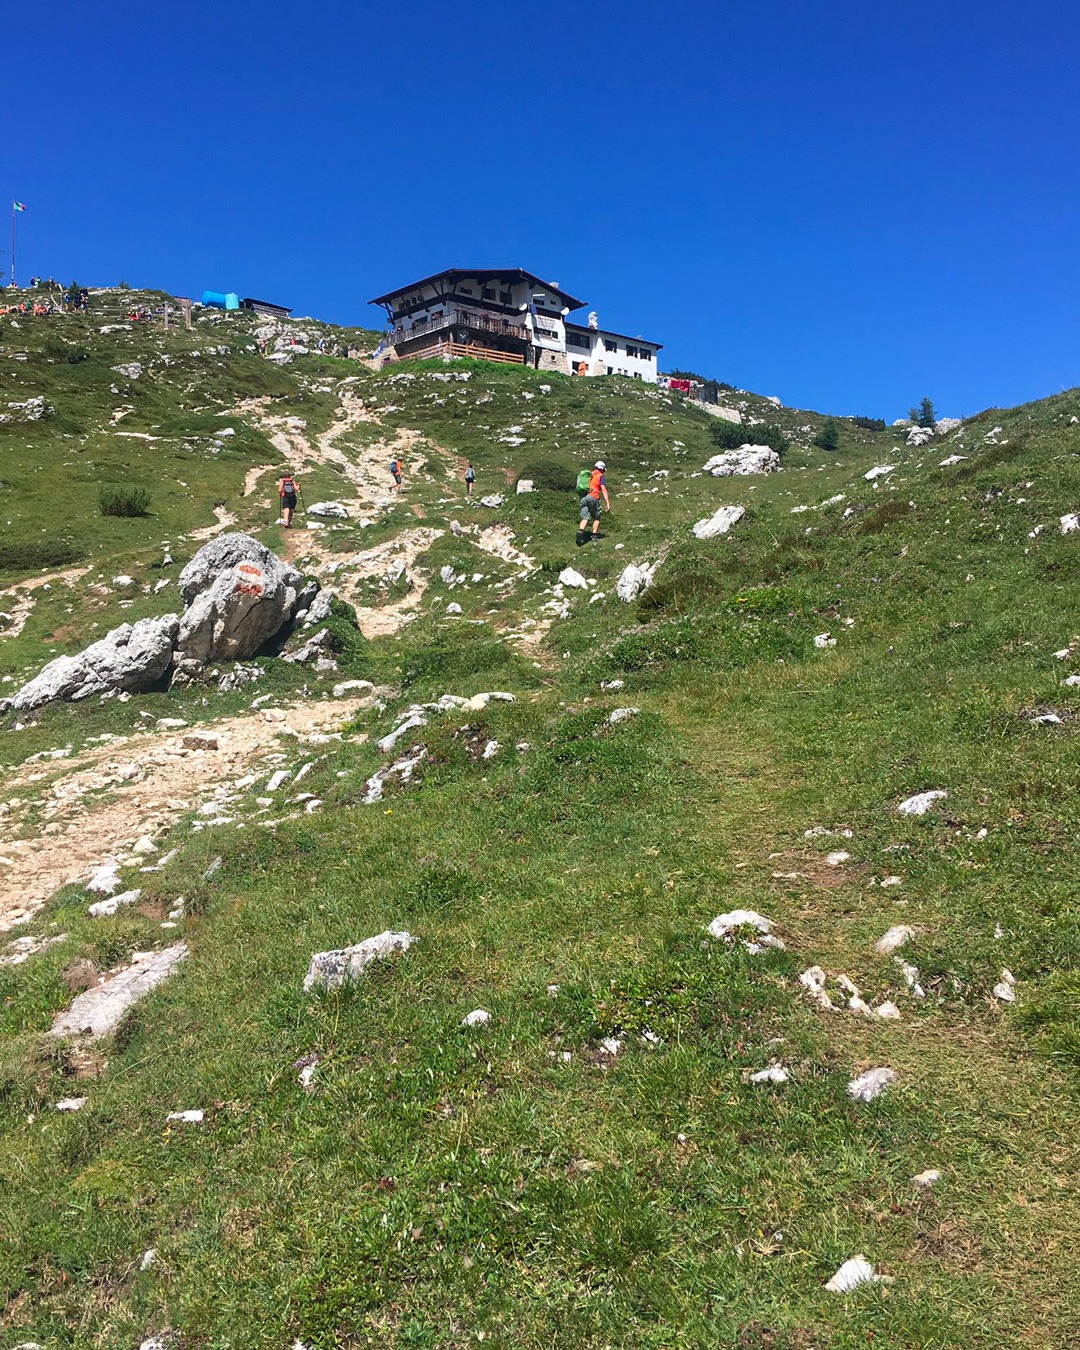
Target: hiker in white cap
(590,503)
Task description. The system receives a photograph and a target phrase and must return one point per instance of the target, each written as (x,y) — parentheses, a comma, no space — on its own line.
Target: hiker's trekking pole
(302,502)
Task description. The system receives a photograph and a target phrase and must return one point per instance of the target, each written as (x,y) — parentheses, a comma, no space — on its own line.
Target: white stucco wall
(607,354)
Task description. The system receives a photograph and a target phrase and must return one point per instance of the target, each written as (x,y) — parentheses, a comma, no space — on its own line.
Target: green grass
(514,1181)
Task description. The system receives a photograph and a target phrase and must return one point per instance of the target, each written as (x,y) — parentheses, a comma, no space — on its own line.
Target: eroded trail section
(64,817)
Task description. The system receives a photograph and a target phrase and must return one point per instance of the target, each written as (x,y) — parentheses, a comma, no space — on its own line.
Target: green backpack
(584,478)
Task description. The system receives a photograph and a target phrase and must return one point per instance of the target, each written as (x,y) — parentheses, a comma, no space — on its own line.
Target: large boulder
(747,459)
(131,659)
(239,597)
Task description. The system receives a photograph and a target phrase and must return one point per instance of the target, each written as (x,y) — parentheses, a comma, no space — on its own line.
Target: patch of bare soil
(101,802)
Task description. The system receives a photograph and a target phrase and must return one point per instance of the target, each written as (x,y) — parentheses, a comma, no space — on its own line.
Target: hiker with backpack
(288,489)
(470,477)
(396,467)
(591,484)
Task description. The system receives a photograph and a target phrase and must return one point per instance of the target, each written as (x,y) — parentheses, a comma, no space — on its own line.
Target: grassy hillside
(593,1167)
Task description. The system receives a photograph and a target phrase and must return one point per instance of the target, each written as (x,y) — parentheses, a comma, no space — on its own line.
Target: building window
(504,296)
(610,370)
(610,345)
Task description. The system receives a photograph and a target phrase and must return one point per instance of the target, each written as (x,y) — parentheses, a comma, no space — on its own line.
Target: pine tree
(924,415)
(828,438)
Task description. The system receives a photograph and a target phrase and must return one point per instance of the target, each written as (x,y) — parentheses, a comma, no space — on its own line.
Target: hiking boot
(582,538)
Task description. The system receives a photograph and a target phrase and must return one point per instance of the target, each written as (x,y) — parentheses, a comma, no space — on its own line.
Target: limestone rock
(330,970)
(719,523)
(524,485)
(747,459)
(920,435)
(870,1085)
(239,597)
(201,740)
(99,1010)
(335,510)
(569,576)
(634,579)
(130,659)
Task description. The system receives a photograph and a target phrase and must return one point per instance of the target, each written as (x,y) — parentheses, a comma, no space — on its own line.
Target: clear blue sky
(845,204)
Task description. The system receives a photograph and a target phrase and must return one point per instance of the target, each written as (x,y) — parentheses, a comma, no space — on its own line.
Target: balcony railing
(473,320)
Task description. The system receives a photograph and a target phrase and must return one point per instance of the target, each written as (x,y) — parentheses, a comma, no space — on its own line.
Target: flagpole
(13,244)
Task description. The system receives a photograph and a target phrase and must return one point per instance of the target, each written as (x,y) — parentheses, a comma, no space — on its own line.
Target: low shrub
(731,435)
(124,501)
(549,474)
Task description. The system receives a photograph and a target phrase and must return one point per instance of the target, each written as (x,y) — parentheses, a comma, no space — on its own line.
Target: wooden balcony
(470,321)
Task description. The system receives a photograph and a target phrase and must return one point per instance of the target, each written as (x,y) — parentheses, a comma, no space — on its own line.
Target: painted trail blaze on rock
(249,579)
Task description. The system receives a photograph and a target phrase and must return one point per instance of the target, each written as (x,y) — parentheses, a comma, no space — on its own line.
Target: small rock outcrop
(330,970)
(747,459)
(719,523)
(634,579)
(131,659)
(99,1010)
(239,596)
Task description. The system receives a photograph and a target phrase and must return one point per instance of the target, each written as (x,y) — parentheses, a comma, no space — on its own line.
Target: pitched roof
(481,274)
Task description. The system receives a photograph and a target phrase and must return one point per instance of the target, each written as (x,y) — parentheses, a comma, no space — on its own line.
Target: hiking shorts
(590,508)
(289,503)
(397,479)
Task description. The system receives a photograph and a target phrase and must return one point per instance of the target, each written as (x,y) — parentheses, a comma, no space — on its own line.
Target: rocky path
(17,603)
(63,817)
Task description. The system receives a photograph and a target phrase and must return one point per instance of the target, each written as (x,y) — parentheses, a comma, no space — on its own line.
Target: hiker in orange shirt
(590,503)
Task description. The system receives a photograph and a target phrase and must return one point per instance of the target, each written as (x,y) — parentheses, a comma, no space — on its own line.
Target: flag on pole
(18,206)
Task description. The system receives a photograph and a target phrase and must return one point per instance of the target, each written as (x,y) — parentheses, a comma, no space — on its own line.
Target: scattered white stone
(838,857)
(336,510)
(1070,523)
(524,485)
(1049,719)
(276,780)
(726,926)
(495,500)
(775,1073)
(106,908)
(870,1085)
(105,879)
(911,977)
(72,1103)
(813,981)
(613,685)
(858,1271)
(633,580)
(950,460)
(124,580)
(306,1077)
(878,471)
(622,715)
(570,577)
(1005,991)
(894,939)
(887,882)
(824,640)
(169,724)
(98,1011)
(719,523)
(144,847)
(479,1017)
(926,1179)
(921,802)
(889,1011)
(186,1117)
(330,970)
(611,1044)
